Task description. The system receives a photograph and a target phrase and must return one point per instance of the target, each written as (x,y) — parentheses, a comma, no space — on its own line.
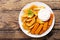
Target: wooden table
(9,12)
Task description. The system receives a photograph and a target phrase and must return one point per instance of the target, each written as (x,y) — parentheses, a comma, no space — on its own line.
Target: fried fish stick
(50,22)
(45,27)
(51,15)
(51,19)
(34,28)
(41,32)
(39,29)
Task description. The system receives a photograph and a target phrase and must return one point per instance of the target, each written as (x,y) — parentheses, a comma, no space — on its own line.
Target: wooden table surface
(9,12)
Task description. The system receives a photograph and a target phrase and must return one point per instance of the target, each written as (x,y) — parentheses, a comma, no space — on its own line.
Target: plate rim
(36,35)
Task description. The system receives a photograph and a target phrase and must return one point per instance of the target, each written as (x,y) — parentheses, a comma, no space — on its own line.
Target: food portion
(31,21)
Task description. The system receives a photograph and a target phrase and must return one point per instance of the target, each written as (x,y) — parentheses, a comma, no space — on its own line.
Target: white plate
(37,4)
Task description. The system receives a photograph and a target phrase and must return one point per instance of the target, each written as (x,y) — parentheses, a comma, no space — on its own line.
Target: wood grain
(9,19)
(18,4)
(53,35)
(12,34)
(57,19)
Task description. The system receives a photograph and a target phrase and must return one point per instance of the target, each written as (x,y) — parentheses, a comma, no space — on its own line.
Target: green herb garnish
(30,13)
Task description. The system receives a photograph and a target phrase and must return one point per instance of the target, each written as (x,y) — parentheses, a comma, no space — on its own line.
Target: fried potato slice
(26,10)
(33,6)
(39,21)
(25,26)
(30,23)
(31,27)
